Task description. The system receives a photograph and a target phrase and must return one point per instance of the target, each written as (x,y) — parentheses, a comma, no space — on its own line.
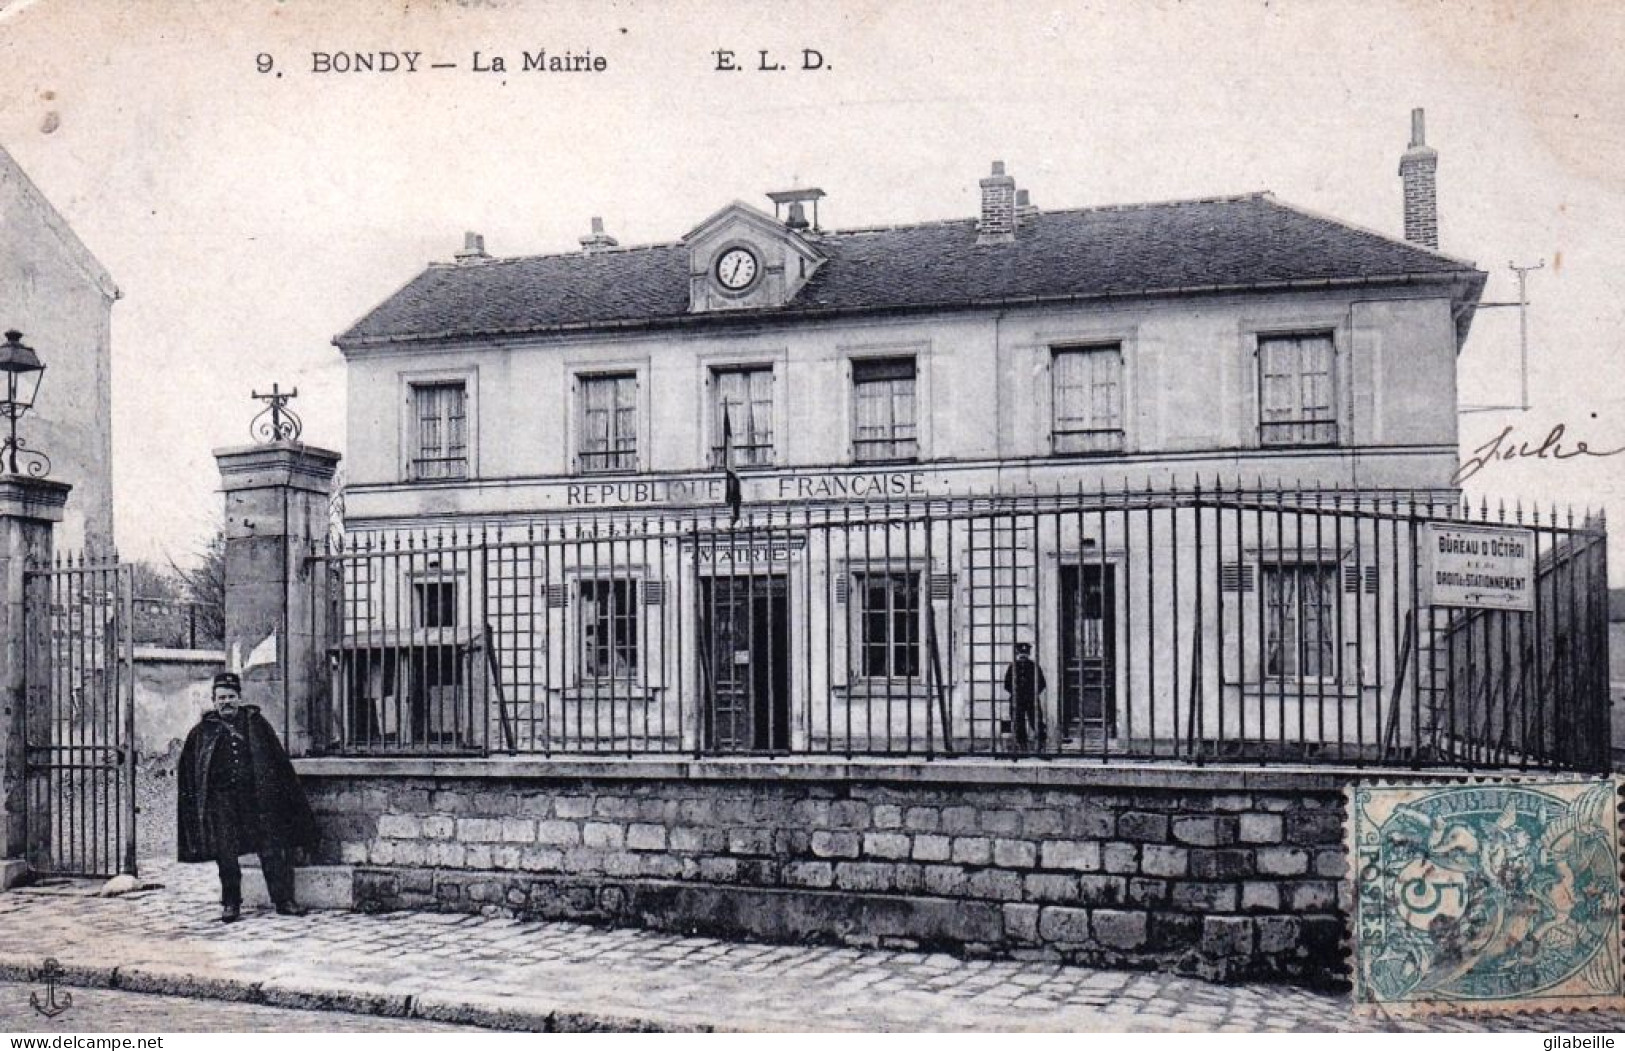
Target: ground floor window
(888,624)
(1300,630)
(609,629)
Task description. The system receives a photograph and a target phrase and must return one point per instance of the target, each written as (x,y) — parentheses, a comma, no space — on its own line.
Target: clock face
(736,268)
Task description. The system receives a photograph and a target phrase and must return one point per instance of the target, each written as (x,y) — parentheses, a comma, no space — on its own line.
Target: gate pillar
(276,515)
(29,508)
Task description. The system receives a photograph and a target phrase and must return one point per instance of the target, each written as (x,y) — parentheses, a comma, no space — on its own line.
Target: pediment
(779,260)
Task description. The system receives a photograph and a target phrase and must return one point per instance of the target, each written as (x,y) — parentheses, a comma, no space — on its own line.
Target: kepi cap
(228,680)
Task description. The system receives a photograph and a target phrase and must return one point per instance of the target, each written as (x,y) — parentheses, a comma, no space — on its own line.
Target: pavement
(502,973)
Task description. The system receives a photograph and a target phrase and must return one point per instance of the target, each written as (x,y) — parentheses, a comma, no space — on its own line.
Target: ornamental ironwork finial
(276,422)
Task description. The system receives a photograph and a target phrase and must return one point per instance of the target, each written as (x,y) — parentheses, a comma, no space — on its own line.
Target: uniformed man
(1024,682)
(238,794)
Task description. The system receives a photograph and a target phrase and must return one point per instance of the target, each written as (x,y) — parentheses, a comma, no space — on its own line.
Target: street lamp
(22,370)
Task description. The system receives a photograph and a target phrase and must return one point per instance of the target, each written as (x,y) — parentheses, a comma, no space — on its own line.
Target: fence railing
(1225,624)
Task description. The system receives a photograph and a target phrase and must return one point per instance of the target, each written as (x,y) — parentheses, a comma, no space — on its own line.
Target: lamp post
(22,370)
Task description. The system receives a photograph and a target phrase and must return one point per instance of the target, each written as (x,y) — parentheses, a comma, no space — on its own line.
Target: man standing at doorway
(238,794)
(1024,682)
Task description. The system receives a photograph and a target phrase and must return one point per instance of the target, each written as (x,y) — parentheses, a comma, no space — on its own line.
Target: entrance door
(745,650)
(1088,651)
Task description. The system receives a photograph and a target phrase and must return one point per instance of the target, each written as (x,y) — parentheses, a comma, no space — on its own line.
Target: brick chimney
(597,241)
(1416,170)
(998,222)
(1025,208)
(473,248)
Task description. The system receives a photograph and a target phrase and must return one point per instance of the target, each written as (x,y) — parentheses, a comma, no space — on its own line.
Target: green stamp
(1492,896)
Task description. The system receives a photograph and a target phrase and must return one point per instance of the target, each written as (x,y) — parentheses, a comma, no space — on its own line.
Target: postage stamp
(1488,896)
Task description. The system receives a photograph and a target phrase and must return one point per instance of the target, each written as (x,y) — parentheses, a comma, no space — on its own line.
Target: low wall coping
(155,654)
(1059,773)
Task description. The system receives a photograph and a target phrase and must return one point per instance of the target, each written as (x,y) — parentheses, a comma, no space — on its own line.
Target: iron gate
(80,718)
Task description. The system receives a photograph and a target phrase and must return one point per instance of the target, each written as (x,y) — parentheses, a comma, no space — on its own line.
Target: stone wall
(1221,881)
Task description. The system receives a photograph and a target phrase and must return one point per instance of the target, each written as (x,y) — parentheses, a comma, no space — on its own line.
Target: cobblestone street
(500,972)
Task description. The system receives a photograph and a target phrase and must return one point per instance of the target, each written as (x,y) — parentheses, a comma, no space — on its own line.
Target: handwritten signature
(1504,447)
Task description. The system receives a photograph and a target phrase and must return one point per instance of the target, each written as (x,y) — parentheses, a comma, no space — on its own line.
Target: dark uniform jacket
(237,792)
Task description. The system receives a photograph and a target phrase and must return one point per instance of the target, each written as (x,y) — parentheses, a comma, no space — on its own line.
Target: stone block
(518,830)
(399,826)
(601,835)
(887,844)
(573,806)
(817,874)
(1222,864)
(946,880)
(646,837)
(1227,937)
(477,855)
(541,859)
(1157,859)
(887,815)
(1311,896)
(1261,896)
(863,876)
(1313,827)
(1015,853)
(1091,822)
(1260,828)
(1119,930)
(1006,822)
(827,844)
(1121,858)
(1204,897)
(479,830)
(1057,923)
(1069,854)
(411,852)
(1209,830)
(932,848)
(1096,889)
(1140,826)
(959,819)
(1172,932)
(922,819)
(719,870)
(1273,804)
(1147,892)
(1021,923)
(1042,822)
(535,805)
(1277,933)
(1332,864)
(615,808)
(446,854)
(996,884)
(1050,887)
(439,826)
(558,833)
(908,878)
(685,839)
(849,813)
(1282,861)
(972,850)
(758,841)
(1231,803)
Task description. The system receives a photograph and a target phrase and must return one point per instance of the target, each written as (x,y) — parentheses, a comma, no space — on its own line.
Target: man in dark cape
(238,794)
(1024,682)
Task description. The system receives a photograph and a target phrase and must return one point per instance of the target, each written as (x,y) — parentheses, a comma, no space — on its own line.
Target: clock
(737,269)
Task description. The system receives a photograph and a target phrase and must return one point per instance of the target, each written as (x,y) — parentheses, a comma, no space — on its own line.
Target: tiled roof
(1190,246)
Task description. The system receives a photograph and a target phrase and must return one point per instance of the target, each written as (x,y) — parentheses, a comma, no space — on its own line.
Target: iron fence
(1218,624)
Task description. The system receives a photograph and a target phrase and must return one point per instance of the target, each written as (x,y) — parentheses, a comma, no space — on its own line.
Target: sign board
(1478,566)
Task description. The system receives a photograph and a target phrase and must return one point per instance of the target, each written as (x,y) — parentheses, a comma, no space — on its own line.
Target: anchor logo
(51,1007)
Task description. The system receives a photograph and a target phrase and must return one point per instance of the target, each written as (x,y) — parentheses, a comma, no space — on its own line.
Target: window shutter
(654,593)
(1353,575)
(557,596)
(841,585)
(1236,576)
(942,587)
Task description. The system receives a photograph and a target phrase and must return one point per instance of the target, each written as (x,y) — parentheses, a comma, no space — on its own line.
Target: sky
(249,216)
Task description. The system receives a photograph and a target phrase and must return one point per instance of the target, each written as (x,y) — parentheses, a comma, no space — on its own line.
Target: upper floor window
(1087,399)
(1297,397)
(608,439)
(883,425)
(436,603)
(742,398)
(440,431)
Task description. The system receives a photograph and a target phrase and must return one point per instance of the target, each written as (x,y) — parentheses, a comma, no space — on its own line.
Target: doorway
(1088,651)
(745,662)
